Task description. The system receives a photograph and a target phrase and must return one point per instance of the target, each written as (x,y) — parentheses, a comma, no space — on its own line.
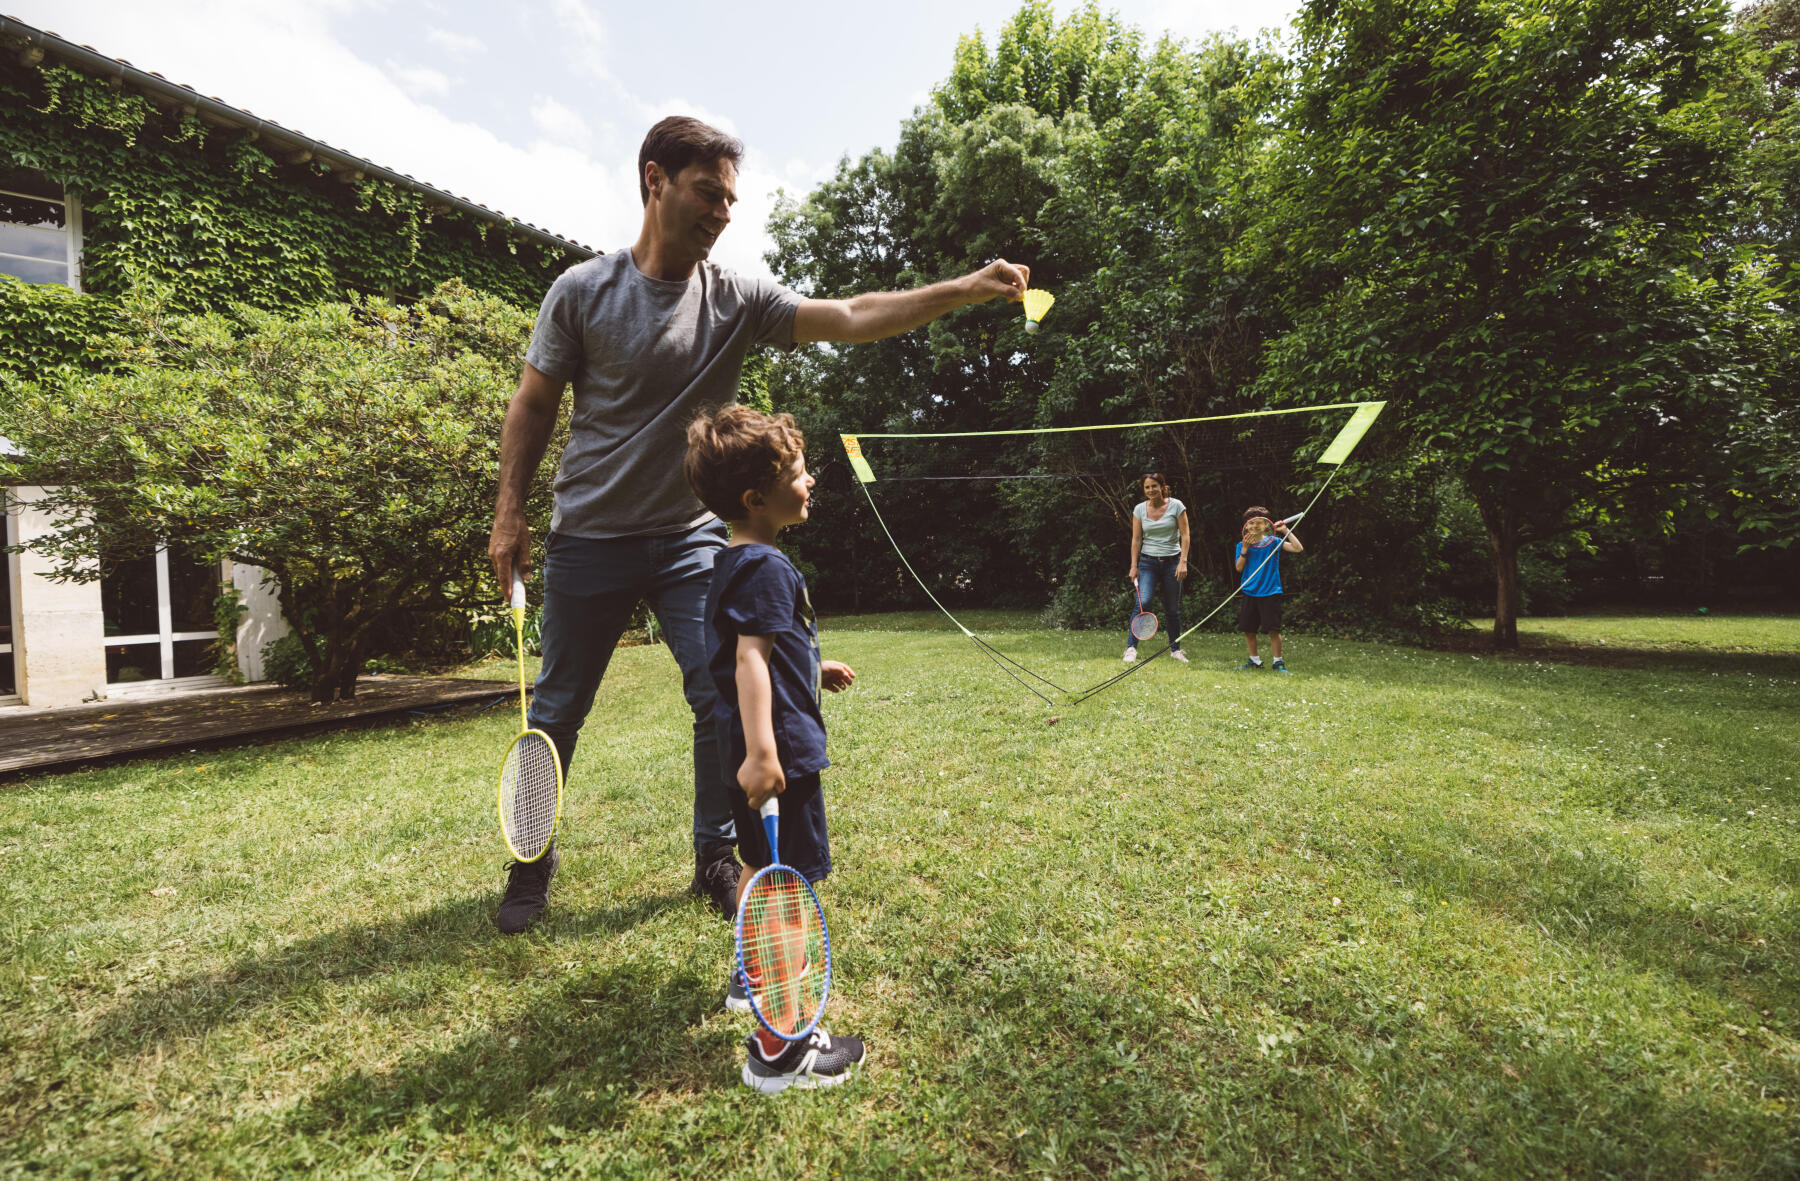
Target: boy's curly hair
(734,449)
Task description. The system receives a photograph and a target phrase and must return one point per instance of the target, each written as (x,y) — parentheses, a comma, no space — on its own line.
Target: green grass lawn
(1403,913)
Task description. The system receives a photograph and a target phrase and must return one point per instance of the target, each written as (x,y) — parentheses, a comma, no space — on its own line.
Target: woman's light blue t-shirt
(1162,537)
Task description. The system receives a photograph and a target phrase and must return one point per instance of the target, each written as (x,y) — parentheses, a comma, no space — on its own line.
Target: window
(40,230)
(157,608)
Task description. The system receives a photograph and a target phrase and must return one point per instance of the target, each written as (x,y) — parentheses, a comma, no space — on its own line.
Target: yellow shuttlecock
(1036,304)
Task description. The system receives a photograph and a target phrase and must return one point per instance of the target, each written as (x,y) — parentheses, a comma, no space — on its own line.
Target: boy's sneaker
(1179,655)
(1279,666)
(527,892)
(737,993)
(1131,654)
(819,1061)
(1250,666)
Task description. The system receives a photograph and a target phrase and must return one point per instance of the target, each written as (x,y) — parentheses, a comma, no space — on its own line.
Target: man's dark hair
(678,141)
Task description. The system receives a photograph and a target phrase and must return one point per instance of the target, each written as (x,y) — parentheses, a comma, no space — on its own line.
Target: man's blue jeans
(591,586)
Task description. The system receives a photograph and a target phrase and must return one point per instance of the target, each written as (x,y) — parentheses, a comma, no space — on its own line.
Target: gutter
(32,45)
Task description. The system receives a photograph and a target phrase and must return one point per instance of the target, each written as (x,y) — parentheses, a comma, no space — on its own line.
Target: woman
(1159,550)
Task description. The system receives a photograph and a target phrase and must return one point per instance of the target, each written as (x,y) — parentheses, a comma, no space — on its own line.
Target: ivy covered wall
(209,212)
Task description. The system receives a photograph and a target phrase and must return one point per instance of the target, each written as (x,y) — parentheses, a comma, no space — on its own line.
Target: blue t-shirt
(756,591)
(1261,576)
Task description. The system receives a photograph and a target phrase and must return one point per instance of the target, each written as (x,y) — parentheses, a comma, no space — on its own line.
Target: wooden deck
(39,740)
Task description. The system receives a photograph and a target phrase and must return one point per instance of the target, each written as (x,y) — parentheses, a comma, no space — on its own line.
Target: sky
(536,108)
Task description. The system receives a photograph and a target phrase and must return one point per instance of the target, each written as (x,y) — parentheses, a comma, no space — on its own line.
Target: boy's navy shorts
(804,844)
(1259,613)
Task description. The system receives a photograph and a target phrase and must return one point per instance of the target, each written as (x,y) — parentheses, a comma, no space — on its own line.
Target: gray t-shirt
(644,356)
(1162,537)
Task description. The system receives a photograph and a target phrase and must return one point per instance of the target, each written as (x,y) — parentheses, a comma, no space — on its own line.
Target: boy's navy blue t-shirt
(756,591)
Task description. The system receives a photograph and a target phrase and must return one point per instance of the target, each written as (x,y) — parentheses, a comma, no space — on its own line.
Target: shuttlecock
(1036,304)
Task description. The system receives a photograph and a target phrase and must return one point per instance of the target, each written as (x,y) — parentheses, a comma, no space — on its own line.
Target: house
(107,170)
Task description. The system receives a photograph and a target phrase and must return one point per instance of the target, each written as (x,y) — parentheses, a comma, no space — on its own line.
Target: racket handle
(771,818)
(1290,522)
(518,595)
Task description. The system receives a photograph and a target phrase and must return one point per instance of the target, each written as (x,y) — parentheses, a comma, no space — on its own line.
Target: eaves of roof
(33,45)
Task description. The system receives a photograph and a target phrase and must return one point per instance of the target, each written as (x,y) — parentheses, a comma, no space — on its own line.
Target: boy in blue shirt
(763,655)
(1258,560)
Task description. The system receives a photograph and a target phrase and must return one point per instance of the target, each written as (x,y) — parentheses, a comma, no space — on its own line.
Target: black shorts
(1259,613)
(804,844)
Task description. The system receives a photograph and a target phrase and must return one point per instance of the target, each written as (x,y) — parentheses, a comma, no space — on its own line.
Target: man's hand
(761,777)
(509,548)
(999,278)
(835,675)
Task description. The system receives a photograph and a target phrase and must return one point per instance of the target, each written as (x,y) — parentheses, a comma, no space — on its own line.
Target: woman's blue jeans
(591,587)
(1152,573)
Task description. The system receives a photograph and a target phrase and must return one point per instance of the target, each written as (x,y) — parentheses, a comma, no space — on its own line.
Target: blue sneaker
(1254,666)
(1279,666)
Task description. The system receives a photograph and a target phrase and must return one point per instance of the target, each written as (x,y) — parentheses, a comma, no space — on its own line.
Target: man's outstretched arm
(523,437)
(876,315)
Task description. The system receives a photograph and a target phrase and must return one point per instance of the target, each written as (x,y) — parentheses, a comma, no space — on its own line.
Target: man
(648,336)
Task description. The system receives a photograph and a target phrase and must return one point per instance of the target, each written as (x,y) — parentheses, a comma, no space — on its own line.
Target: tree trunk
(1503,544)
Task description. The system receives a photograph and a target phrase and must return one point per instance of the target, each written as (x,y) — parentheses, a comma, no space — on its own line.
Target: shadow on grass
(580,1054)
(459,932)
(1687,658)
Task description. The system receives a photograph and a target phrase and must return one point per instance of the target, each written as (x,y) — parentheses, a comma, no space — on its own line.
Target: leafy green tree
(1765,439)
(1497,215)
(1118,170)
(351,450)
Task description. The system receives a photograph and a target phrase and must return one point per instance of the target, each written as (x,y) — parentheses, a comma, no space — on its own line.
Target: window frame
(72,231)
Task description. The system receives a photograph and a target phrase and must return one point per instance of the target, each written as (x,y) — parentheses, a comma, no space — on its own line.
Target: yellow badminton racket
(531,779)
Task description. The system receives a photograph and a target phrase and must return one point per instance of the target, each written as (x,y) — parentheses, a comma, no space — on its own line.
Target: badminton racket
(529,799)
(783,949)
(1143,623)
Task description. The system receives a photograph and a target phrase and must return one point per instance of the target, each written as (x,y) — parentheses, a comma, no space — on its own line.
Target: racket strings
(783,943)
(528,795)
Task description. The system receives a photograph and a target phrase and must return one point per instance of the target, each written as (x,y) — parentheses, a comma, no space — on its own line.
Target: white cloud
(420,81)
(558,123)
(455,45)
(586,33)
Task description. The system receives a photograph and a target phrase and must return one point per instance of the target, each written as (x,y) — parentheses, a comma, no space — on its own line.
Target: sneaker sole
(737,1005)
(775,1084)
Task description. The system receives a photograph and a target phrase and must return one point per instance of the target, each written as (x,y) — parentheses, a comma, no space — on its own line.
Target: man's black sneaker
(716,874)
(819,1061)
(527,892)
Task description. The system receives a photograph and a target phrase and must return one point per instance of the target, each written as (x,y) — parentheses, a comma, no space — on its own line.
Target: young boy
(763,655)
(1259,568)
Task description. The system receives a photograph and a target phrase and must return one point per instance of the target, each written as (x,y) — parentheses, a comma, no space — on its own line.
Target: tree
(1118,170)
(351,450)
(1497,214)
